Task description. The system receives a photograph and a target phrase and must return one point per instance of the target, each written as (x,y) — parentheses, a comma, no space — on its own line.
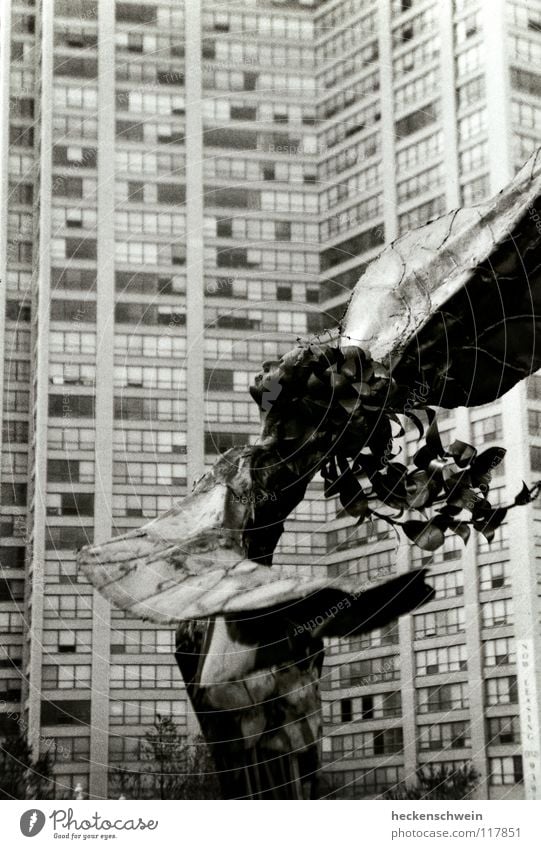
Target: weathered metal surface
(456,304)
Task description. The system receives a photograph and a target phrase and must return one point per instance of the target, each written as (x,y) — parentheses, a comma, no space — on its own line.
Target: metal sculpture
(447,315)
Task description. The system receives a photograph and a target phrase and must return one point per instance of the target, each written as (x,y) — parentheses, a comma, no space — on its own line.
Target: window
(67,607)
(469,60)
(219,380)
(526,81)
(148,676)
(143,711)
(352,247)
(421,214)
(496,613)
(499,652)
(476,190)
(11,623)
(68,471)
(71,406)
(441,622)
(346,712)
(506,770)
(219,442)
(10,689)
(84,311)
(473,125)
(535,458)
(66,748)
(70,504)
(68,641)
(423,182)
(494,576)
(501,691)
(487,429)
(11,589)
(442,698)
(127,641)
(71,712)
(446,659)
(13,494)
(363,672)
(67,537)
(503,730)
(471,92)
(447,735)
(55,677)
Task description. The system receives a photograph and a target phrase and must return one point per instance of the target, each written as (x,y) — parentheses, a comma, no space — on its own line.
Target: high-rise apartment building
(427,106)
(189,186)
(162,242)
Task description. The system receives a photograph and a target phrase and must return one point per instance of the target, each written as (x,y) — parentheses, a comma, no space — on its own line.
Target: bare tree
(173,768)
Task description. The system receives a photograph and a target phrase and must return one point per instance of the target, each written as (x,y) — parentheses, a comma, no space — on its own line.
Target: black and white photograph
(270,478)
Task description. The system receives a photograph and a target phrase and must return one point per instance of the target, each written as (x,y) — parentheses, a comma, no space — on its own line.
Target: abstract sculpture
(446,316)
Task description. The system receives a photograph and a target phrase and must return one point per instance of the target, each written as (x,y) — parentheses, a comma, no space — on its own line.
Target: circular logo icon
(32,821)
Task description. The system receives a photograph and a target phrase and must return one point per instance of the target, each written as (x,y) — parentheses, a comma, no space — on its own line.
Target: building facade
(189,188)
(428,106)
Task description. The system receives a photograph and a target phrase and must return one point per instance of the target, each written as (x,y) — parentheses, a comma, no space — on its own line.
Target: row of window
(241,170)
(352,187)
(417,57)
(155,641)
(439,623)
(377,706)
(251,52)
(141,506)
(357,122)
(148,676)
(445,735)
(144,711)
(347,38)
(364,744)
(352,217)
(416,89)
(355,92)
(353,154)
(65,677)
(385,636)
(67,607)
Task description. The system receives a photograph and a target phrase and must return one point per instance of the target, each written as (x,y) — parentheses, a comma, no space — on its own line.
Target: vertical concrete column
(474,653)
(37,483)
(407,677)
(498,93)
(525,588)
(5,49)
(194,245)
(388,163)
(105,311)
(195,281)
(448,103)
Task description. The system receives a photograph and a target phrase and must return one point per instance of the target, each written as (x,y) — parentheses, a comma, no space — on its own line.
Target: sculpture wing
(456,304)
(186,564)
